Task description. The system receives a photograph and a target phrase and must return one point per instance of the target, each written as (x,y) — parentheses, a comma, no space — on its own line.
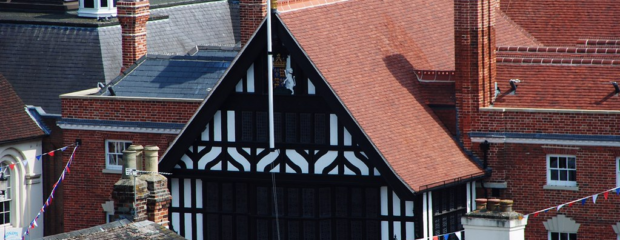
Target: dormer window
(97,8)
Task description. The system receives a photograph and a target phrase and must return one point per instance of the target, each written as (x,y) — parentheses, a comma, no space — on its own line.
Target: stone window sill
(112,171)
(567,188)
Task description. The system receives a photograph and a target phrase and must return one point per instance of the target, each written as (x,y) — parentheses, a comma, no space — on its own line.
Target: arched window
(97,8)
(5,197)
(561,227)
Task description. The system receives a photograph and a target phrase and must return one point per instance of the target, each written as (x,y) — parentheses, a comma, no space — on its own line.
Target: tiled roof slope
(367,51)
(15,123)
(586,87)
(44,61)
(122,229)
(561,23)
(175,77)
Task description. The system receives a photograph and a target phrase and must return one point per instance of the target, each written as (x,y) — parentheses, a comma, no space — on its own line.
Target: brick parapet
(252,13)
(128,110)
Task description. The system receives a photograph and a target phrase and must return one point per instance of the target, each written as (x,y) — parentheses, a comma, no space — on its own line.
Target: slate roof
(15,122)
(159,76)
(122,229)
(373,47)
(46,55)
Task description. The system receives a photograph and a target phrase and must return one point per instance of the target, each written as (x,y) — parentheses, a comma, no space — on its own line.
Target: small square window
(561,170)
(114,153)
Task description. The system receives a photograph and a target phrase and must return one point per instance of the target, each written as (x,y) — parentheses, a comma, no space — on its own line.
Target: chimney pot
(139,156)
(481,203)
(152,158)
(129,161)
(493,204)
(505,205)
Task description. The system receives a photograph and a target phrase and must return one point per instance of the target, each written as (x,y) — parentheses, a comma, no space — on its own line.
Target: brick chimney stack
(133,15)
(159,197)
(252,13)
(149,190)
(475,58)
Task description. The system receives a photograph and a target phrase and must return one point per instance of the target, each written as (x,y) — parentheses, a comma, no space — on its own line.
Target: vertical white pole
(270,77)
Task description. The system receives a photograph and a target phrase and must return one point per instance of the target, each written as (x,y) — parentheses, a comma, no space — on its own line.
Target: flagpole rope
(33,223)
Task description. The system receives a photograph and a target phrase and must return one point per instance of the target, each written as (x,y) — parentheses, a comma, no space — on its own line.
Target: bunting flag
(49,200)
(459,235)
(582,200)
(526,217)
(38,157)
(435,237)
(446,236)
(63,148)
(12,166)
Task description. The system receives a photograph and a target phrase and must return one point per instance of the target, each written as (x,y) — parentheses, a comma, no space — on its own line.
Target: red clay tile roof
(585,87)
(367,51)
(562,23)
(15,123)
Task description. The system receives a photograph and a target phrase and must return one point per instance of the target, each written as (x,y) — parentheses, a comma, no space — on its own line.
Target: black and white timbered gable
(323,180)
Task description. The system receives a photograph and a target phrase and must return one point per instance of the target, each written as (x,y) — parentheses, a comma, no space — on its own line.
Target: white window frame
(550,235)
(97,10)
(108,153)
(7,198)
(618,172)
(565,183)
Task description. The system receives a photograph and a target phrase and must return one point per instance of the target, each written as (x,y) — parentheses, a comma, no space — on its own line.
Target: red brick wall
(523,167)
(129,110)
(85,188)
(252,13)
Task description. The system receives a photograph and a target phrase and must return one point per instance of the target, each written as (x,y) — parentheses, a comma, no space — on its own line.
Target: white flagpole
(270,78)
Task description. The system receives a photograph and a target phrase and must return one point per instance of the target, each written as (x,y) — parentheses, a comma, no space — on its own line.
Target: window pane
(555,236)
(553,162)
(563,175)
(564,236)
(573,236)
(572,175)
(111,147)
(104,3)
(89,3)
(562,163)
(554,174)
(571,163)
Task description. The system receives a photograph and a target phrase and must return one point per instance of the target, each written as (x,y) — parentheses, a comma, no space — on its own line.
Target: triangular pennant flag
(435,237)
(536,214)
(446,236)
(618,191)
(570,204)
(43,209)
(51,153)
(594,197)
(38,157)
(547,210)
(583,201)
(62,175)
(459,234)
(63,149)
(526,217)
(25,163)
(12,166)
(68,169)
(606,195)
(559,206)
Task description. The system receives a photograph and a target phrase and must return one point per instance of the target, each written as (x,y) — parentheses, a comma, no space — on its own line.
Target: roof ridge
(599,42)
(558,61)
(574,50)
